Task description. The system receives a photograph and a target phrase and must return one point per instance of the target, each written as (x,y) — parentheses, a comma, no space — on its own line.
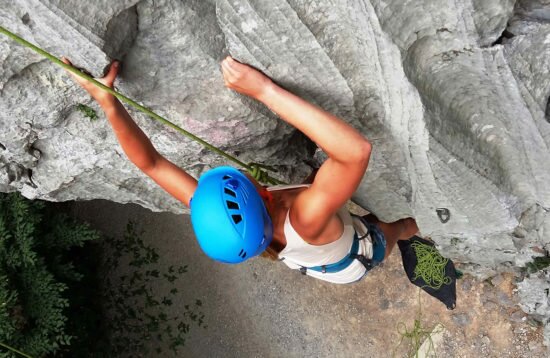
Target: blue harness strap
(340,265)
(346,261)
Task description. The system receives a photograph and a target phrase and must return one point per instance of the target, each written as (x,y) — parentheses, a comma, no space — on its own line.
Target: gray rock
(497,280)
(534,294)
(82,160)
(490,305)
(503,299)
(466,284)
(518,317)
(455,103)
(461,319)
(534,346)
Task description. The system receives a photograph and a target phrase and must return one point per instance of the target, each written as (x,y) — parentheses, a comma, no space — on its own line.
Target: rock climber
(235,218)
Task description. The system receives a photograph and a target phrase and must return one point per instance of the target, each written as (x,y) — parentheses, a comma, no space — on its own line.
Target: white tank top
(298,253)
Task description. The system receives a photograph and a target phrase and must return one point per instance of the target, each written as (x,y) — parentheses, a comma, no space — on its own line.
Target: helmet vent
(242,254)
(225,177)
(237,218)
(230,192)
(244,194)
(232,204)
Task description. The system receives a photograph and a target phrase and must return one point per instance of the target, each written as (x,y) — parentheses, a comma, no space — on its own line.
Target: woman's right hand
(244,79)
(101,96)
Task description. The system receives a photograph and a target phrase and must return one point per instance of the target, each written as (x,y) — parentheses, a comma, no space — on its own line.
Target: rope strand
(254,169)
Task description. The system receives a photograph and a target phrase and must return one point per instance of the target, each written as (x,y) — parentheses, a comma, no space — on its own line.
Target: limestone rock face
(171,52)
(453,95)
(444,96)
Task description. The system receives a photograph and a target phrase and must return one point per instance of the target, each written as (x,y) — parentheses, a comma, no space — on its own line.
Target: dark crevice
(26,19)
(547,113)
(11,174)
(15,171)
(30,181)
(207,32)
(35,152)
(505,36)
(121,33)
(3,147)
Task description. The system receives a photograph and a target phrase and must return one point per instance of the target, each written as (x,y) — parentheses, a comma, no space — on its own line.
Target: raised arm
(348,150)
(134,142)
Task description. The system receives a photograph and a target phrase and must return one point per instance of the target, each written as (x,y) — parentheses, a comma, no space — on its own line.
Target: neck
(277,211)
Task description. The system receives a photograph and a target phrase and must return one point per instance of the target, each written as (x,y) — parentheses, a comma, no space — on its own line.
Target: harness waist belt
(342,264)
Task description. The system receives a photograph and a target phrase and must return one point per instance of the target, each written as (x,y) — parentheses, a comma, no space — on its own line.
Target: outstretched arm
(134,142)
(348,150)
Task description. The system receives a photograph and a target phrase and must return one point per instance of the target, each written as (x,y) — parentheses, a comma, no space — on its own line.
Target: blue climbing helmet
(229,217)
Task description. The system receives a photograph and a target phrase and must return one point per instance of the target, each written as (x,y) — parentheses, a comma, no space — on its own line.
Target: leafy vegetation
(36,273)
(139,319)
(55,301)
(88,111)
(538,263)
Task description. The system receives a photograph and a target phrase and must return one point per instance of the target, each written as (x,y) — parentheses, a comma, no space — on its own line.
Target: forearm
(338,139)
(133,141)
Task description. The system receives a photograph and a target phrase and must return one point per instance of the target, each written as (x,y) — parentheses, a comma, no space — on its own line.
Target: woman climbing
(235,218)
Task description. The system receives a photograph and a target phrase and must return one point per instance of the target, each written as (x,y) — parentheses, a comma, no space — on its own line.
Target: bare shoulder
(312,221)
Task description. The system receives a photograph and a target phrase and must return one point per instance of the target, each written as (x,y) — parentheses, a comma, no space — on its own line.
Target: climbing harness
(258,171)
(348,259)
(345,262)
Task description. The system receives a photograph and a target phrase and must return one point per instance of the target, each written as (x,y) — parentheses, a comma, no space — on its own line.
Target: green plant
(88,111)
(538,263)
(36,272)
(138,313)
(13,350)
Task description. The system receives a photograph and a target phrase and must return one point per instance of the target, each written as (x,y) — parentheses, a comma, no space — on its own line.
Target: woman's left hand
(102,97)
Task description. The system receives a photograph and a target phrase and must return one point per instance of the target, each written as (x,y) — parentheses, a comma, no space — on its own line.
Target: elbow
(366,149)
(359,154)
(146,165)
(363,152)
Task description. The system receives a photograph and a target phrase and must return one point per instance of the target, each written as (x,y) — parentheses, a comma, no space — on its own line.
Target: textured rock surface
(453,95)
(535,299)
(171,51)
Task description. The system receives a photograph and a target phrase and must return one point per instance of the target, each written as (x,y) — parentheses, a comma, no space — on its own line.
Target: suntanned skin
(312,210)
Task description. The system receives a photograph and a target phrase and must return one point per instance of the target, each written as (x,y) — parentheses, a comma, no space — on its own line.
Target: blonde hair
(270,254)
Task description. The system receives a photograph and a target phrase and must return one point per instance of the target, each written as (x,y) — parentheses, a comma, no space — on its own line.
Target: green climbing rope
(417,335)
(256,170)
(430,266)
